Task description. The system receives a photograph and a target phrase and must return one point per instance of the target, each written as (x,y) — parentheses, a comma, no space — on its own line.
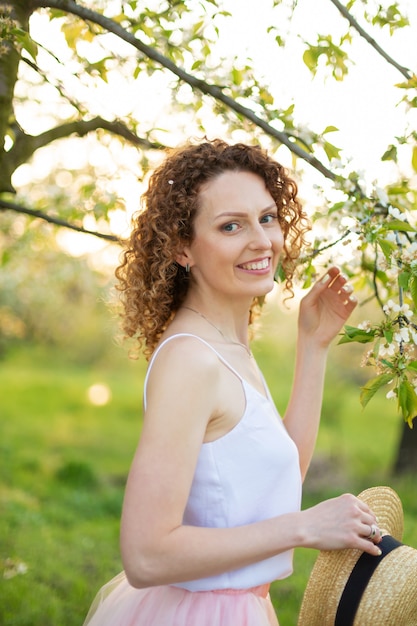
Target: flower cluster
(392,355)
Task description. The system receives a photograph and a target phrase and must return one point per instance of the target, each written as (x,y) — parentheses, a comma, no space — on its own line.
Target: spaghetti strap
(155,354)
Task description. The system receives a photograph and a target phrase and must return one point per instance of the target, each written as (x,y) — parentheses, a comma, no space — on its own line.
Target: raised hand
(325,309)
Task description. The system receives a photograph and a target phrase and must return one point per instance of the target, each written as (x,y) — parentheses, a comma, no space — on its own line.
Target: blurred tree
(48,297)
(62,88)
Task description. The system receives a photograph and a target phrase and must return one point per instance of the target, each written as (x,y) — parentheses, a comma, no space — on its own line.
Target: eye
(231,227)
(268,218)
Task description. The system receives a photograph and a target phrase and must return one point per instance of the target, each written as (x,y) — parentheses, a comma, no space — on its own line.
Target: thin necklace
(235,343)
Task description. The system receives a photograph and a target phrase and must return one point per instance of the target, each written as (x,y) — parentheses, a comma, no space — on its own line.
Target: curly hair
(152,284)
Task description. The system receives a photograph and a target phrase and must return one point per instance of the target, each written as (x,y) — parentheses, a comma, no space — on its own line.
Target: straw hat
(351,588)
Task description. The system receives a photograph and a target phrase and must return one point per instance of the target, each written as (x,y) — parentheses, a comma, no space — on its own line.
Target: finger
(336,281)
(372,538)
(329,278)
(346,289)
(339,284)
(369,547)
(350,303)
(370,531)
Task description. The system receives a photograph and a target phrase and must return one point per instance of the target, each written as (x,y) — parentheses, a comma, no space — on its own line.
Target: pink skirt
(120,604)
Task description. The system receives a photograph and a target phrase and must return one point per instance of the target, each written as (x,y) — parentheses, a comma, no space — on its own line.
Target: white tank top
(250,474)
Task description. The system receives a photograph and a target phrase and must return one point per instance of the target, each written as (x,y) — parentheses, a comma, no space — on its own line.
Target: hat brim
(332,567)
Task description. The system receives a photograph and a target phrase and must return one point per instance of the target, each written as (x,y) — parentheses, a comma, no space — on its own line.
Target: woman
(212,505)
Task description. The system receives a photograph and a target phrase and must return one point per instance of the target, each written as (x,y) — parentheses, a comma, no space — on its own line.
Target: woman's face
(237,237)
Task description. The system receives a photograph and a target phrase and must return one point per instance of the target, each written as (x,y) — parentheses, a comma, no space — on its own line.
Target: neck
(227,336)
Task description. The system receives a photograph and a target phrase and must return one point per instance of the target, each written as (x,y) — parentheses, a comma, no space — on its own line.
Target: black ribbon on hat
(358,580)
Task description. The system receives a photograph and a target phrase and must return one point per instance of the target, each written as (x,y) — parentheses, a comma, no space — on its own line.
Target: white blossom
(387,349)
(396,213)
(391,394)
(381,195)
(390,306)
(347,185)
(402,335)
(405,309)
(336,164)
(393,307)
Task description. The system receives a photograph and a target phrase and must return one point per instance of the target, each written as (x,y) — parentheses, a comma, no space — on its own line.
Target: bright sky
(364,106)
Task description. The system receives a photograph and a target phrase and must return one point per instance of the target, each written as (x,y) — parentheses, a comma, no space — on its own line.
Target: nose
(260,239)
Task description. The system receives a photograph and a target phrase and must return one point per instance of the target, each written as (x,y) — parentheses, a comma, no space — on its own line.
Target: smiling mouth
(256,265)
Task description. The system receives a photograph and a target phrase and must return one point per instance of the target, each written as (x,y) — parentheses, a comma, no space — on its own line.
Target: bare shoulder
(186,354)
(183,380)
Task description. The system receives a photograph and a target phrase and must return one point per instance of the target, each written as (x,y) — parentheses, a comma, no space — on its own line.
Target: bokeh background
(70,396)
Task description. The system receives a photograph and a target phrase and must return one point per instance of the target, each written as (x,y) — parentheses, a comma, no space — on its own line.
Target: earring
(187,268)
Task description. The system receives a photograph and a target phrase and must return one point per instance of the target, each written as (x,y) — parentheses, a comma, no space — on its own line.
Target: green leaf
(265,97)
(55,13)
(387,364)
(332,152)
(412,366)
(390,154)
(310,58)
(412,285)
(409,84)
(237,76)
(414,159)
(403,280)
(27,43)
(388,334)
(280,274)
(337,207)
(372,386)
(407,400)
(357,334)
(197,27)
(387,247)
(399,225)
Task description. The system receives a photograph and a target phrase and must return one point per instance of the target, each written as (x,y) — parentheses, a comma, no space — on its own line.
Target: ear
(184,257)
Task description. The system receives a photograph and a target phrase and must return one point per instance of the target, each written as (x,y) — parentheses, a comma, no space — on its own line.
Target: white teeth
(259,265)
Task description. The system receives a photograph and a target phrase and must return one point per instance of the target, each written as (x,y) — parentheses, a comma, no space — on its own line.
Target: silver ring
(373,532)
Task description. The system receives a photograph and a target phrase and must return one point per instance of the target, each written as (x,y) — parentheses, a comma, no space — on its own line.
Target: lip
(260,266)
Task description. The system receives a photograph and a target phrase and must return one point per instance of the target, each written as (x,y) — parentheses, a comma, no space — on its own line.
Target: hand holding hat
(342,522)
(352,588)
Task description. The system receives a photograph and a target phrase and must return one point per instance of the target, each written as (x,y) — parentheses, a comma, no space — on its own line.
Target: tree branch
(343,10)
(212,90)
(9,60)
(9,206)
(25,145)
(83,127)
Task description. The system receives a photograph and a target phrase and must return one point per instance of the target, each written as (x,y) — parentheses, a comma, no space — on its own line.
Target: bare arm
(322,314)
(156,547)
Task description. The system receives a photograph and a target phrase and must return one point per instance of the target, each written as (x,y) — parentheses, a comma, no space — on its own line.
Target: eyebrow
(242,213)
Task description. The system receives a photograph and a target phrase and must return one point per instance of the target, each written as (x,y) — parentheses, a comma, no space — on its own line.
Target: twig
(374,277)
(9,206)
(212,90)
(343,10)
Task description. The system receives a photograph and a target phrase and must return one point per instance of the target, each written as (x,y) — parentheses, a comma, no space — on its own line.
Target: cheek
(279,239)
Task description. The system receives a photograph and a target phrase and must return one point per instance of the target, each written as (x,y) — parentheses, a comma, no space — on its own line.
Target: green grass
(64,462)
(63,467)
